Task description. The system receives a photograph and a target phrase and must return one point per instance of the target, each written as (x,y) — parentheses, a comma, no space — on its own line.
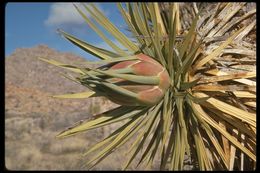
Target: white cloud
(66,14)
(63,13)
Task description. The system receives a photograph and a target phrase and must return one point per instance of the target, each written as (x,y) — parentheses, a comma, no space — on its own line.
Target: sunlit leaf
(207,114)
(76,95)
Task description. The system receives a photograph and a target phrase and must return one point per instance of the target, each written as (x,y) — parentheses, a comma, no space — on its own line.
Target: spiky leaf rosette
(201,111)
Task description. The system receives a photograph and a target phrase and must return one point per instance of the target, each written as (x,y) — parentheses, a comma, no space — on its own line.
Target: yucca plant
(175,96)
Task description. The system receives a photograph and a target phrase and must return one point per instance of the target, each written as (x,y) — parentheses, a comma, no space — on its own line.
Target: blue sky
(31,24)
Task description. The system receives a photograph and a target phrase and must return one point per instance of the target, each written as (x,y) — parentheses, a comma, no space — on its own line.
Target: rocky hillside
(33,118)
(23,69)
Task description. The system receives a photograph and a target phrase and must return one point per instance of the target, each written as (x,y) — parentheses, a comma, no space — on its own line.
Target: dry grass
(30,145)
(30,142)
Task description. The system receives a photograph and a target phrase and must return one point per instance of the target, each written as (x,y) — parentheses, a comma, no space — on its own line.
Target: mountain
(24,69)
(31,81)
(33,118)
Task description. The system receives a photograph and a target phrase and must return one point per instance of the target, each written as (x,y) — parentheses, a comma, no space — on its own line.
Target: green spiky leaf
(195,117)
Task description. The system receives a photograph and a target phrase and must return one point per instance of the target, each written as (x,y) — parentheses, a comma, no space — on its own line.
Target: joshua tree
(185,84)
